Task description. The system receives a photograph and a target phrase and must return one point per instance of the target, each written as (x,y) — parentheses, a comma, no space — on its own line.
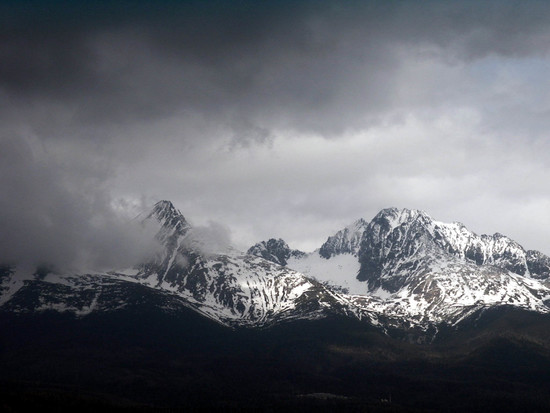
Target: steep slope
(394,234)
(441,272)
(346,241)
(233,288)
(538,265)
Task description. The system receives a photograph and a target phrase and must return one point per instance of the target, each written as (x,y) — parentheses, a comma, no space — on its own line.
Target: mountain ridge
(400,269)
(428,270)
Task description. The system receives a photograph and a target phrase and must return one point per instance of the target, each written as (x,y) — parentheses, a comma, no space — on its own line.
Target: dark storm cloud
(179,99)
(311,66)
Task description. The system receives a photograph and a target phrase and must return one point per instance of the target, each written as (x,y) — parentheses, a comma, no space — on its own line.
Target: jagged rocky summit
(230,287)
(402,269)
(275,250)
(406,264)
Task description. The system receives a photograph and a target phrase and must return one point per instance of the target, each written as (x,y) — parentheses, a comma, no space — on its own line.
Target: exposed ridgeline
(417,268)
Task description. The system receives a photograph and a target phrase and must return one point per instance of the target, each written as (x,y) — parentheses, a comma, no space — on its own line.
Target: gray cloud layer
(58,213)
(322,68)
(277,118)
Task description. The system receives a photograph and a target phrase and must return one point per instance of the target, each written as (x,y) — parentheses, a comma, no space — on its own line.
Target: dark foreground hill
(145,359)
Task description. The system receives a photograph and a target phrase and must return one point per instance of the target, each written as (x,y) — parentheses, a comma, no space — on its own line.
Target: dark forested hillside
(148,359)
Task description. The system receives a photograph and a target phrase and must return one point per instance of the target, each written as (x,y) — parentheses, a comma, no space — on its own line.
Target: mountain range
(400,269)
(401,276)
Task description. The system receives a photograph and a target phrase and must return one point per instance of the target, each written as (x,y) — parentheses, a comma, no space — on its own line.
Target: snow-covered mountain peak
(393,217)
(164,208)
(169,217)
(397,240)
(172,225)
(345,241)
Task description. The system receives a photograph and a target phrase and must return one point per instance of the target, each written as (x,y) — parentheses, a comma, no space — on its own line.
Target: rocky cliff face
(346,241)
(274,250)
(398,243)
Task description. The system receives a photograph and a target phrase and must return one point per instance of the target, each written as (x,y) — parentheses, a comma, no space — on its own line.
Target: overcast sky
(282,119)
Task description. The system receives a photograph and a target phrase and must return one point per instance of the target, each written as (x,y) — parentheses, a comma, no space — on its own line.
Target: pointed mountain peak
(274,250)
(391,211)
(163,208)
(397,241)
(400,214)
(360,223)
(390,218)
(169,217)
(276,243)
(345,241)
